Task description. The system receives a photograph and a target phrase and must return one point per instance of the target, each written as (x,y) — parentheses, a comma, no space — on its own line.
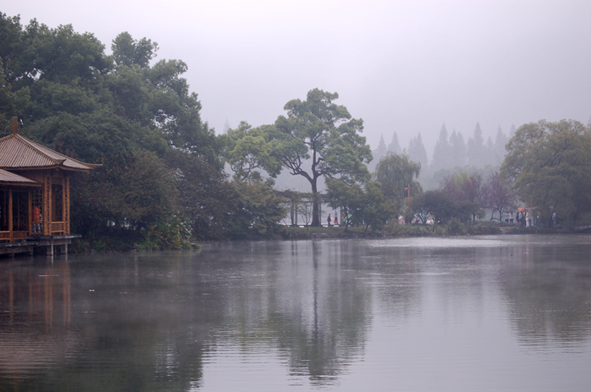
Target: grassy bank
(394,230)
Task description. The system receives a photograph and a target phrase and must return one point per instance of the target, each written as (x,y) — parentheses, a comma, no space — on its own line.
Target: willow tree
(318,139)
(396,172)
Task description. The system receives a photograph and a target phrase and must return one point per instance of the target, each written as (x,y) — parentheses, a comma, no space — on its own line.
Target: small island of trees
(163,181)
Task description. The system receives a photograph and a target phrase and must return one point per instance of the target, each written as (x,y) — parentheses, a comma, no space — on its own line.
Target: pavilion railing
(9,236)
(58,227)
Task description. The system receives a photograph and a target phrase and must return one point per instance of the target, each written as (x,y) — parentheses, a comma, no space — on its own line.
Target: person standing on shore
(328,220)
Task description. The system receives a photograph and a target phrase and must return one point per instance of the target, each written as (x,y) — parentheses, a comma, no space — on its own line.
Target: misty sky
(404,66)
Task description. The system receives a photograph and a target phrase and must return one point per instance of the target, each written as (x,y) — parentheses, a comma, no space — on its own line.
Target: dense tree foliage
(550,167)
(259,211)
(468,189)
(442,206)
(463,194)
(364,203)
(127,111)
(249,150)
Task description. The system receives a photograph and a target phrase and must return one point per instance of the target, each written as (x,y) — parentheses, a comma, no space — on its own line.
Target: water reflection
(310,306)
(548,290)
(299,315)
(102,326)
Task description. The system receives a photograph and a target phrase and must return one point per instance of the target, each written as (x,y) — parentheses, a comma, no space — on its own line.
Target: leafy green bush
(455,227)
(481,228)
(174,233)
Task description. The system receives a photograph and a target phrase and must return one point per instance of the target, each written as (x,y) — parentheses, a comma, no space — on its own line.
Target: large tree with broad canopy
(317,139)
(549,164)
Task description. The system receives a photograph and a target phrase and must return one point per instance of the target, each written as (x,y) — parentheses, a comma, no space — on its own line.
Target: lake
(482,313)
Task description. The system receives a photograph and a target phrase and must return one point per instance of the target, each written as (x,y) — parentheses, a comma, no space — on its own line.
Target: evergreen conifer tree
(442,151)
(381,150)
(417,151)
(394,146)
(476,148)
(458,149)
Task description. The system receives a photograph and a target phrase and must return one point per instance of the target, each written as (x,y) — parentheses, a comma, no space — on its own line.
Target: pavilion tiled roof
(8,178)
(18,152)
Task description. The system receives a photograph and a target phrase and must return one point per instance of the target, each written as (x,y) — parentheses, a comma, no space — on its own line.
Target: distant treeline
(451,151)
(163,184)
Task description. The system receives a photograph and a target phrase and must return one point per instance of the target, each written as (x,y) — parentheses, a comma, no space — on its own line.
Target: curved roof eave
(20,153)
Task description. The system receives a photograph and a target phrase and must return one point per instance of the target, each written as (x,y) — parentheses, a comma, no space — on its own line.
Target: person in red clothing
(36,219)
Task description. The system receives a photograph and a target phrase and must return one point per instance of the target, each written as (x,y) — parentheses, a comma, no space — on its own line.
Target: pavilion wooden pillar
(66,197)
(30,211)
(46,210)
(10,216)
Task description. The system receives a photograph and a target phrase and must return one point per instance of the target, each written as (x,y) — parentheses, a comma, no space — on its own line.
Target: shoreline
(291,233)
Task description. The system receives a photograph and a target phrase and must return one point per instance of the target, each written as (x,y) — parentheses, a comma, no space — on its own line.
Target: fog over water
(478,313)
(402,66)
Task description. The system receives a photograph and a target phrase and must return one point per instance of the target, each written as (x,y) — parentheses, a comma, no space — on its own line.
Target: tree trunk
(315,204)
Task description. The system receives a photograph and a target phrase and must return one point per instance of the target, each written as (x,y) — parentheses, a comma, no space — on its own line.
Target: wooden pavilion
(34,189)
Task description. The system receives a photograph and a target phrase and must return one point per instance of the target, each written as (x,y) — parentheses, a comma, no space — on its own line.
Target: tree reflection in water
(166,321)
(548,291)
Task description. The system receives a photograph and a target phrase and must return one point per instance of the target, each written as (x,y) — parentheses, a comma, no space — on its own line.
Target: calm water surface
(492,313)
